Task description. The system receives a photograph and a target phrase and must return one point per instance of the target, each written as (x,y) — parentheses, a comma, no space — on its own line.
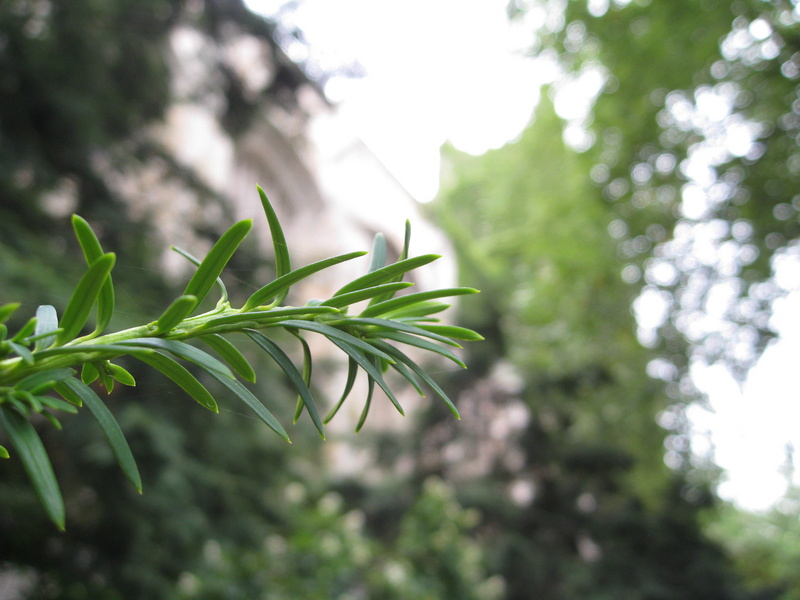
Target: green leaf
(387,324)
(32,400)
(406,241)
(231,355)
(34,458)
(3,452)
(110,427)
(409,375)
(368,366)
(6,310)
(285,363)
(418,321)
(22,351)
(37,337)
(409,299)
(177,373)
(307,369)
(254,403)
(352,372)
(91,252)
(21,407)
(223,291)
(335,334)
(451,331)
(120,374)
(412,340)
(108,381)
(283,264)
(203,279)
(50,417)
(87,239)
(186,352)
(68,395)
(403,255)
(57,404)
(387,273)
(83,298)
(367,404)
(283,283)
(180,308)
(92,352)
(402,358)
(268,316)
(46,322)
(43,380)
(365,294)
(26,331)
(378,253)
(421,309)
(89,373)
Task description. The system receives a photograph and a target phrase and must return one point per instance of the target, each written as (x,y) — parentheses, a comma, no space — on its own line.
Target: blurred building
(331,192)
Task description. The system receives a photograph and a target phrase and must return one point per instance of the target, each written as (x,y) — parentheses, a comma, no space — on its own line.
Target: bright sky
(442,70)
(750,429)
(436,70)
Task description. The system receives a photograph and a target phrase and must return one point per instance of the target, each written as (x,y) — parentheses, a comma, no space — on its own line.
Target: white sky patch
(436,70)
(574,99)
(575,96)
(752,430)
(652,310)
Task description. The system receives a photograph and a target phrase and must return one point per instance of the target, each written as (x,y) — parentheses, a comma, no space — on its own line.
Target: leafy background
(554,484)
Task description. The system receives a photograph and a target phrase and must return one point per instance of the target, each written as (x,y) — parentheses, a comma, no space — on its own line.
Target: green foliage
(322,549)
(566,462)
(85,83)
(528,230)
(42,358)
(434,557)
(693,155)
(765,547)
(671,168)
(88,74)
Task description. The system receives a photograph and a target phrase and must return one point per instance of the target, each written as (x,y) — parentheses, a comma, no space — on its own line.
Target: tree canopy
(693,145)
(577,485)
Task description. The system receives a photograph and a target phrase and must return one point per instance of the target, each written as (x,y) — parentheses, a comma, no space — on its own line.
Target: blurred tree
(691,142)
(560,449)
(83,84)
(323,548)
(764,546)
